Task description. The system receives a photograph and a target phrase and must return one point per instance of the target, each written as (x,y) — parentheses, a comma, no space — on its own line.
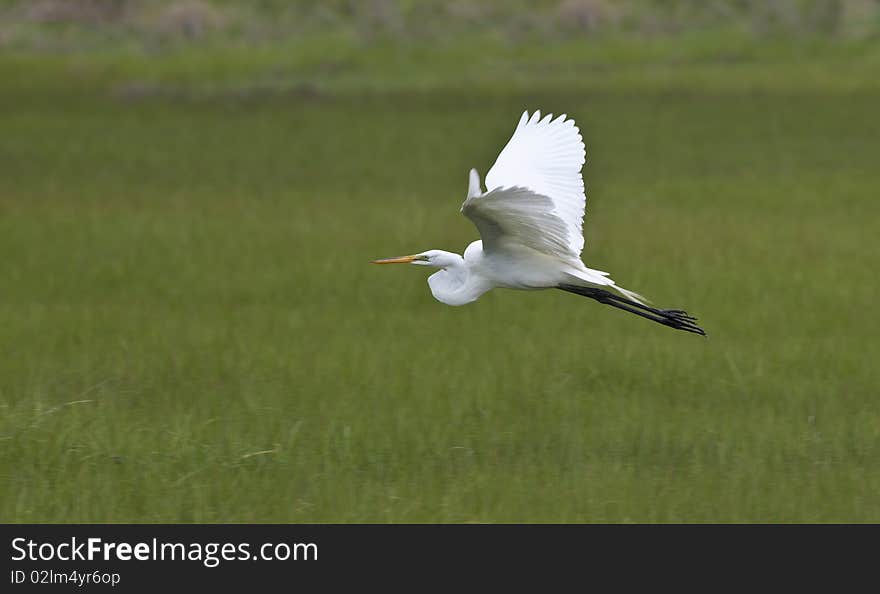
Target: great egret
(530,220)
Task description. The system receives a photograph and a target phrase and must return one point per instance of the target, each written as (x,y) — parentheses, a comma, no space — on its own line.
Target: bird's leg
(678,313)
(674,318)
(665,317)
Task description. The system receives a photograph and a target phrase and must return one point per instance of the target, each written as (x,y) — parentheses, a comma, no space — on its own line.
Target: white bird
(530,220)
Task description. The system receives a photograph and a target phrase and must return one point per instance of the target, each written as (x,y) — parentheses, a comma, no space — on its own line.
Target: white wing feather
(519,216)
(546,156)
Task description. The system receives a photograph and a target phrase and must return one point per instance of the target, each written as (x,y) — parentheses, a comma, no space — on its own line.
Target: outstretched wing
(520,216)
(545,157)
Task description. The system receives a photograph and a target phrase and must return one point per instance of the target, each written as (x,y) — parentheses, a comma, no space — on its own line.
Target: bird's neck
(457,283)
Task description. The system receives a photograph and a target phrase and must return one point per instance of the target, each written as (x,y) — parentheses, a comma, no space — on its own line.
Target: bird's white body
(530,219)
(464,279)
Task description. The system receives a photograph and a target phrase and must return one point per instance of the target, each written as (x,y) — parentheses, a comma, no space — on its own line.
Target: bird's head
(435,258)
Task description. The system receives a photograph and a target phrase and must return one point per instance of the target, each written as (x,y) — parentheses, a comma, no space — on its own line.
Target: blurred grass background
(190,193)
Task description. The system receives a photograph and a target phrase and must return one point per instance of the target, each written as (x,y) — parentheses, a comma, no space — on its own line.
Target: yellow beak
(398,260)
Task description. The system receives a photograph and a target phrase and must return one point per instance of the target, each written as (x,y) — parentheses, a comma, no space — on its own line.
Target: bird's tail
(598,277)
(631,295)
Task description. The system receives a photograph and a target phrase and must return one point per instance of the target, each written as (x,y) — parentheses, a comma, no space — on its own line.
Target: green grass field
(191,331)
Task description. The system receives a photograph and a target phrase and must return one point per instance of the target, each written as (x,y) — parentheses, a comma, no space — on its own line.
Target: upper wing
(517,215)
(546,157)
